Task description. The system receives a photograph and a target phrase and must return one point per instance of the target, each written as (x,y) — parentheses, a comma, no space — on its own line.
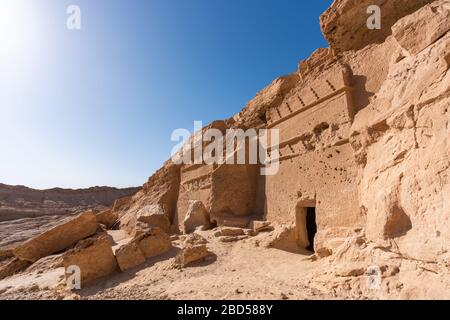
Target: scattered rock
(153,242)
(193,248)
(129,256)
(154,216)
(229,232)
(193,239)
(94,257)
(228,239)
(323,252)
(196,216)
(285,238)
(191,253)
(259,226)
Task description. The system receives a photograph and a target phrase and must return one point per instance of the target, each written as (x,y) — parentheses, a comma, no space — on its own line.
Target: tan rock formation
(193,239)
(229,232)
(344,24)
(286,237)
(129,256)
(153,242)
(193,248)
(404,192)
(94,257)
(196,216)
(422,28)
(363,179)
(254,114)
(154,216)
(330,114)
(259,226)
(148,242)
(191,253)
(107,217)
(58,238)
(161,189)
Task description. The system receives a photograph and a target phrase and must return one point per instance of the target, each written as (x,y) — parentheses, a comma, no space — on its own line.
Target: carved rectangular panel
(317,114)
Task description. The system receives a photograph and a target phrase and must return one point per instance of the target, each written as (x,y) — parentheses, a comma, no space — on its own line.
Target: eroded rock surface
(196,216)
(362,186)
(94,258)
(58,238)
(193,249)
(344,24)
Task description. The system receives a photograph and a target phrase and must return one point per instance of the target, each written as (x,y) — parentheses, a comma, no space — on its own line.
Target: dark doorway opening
(311,227)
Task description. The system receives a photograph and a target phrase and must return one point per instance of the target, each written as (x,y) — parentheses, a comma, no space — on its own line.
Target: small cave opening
(306,225)
(213,224)
(311,227)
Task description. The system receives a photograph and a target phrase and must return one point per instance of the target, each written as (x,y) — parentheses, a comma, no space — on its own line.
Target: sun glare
(19,35)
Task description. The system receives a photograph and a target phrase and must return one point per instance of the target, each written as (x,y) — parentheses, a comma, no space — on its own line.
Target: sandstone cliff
(364,127)
(362,189)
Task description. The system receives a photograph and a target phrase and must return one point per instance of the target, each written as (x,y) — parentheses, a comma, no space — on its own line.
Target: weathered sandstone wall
(401,142)
(363,178)
(363,130)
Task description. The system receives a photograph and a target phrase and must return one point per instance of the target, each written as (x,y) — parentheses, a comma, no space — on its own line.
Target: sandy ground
(240,270)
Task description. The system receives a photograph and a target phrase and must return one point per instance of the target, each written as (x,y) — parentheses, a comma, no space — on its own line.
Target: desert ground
(244,269)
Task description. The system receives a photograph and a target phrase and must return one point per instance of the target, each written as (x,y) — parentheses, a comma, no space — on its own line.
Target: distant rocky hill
(23,211)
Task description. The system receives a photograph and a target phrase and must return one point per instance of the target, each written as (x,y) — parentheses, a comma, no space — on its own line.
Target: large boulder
(147,243)
(153,242)
(422,28)
(286,238)
(94,256)
(129,256)
(193,248)
(58,238)
(154,216)
(196,216)
(191,253)
(259,226)
(344,24)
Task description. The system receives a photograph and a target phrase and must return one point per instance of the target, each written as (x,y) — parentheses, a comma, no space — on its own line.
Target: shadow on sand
(118,277)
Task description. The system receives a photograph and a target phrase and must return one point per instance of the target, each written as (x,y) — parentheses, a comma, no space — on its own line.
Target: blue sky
(97,106)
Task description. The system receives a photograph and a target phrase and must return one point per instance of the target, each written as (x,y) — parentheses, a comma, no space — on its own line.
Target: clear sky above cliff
(97,106)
